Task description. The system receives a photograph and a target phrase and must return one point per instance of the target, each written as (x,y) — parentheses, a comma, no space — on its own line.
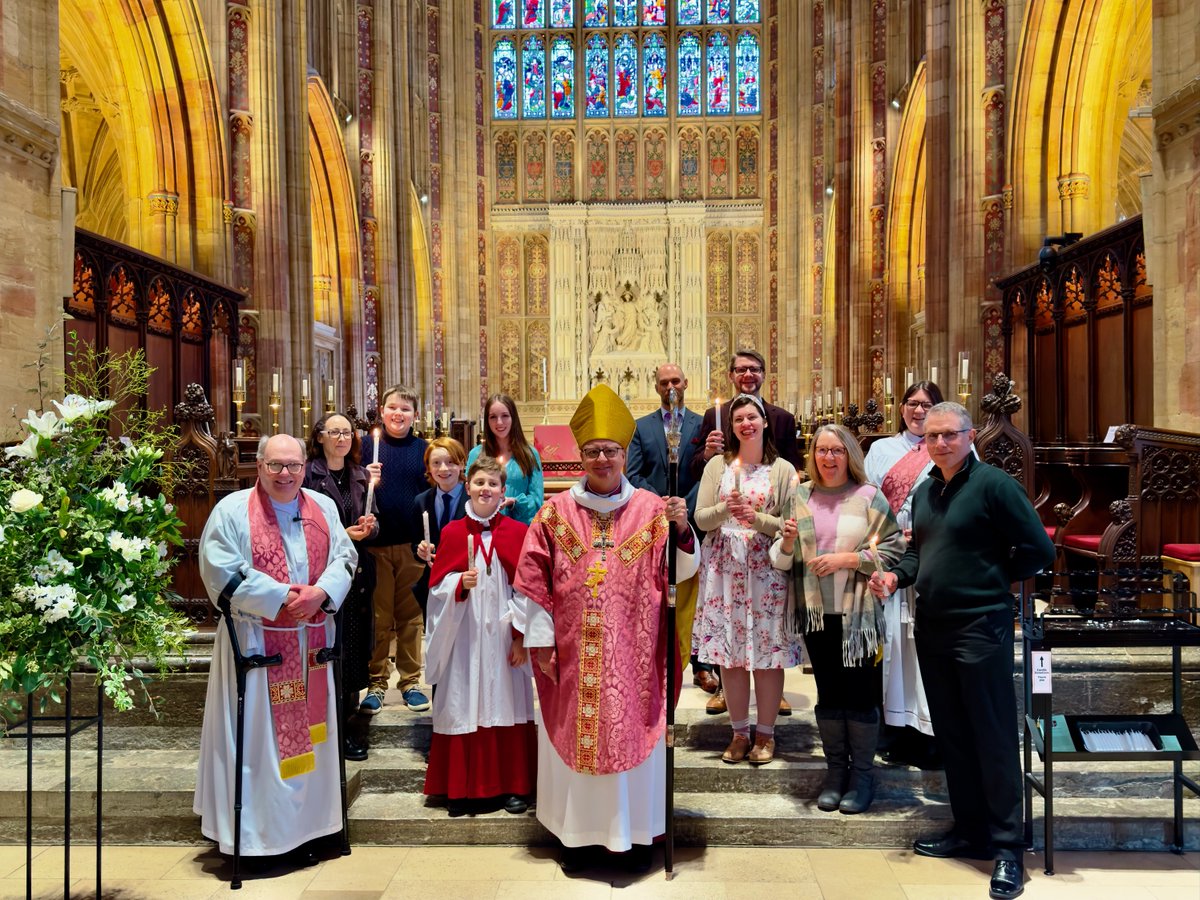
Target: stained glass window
(747,72)
(625,13)
(562,13)
(596,85)
(747,10)
(689,74)
(654,12)
(595,13)
(503,14)
(533,58)
(689,12)
(533,13)
(654,75)
(718,12)
(718,73)
(504,69)
(625,102)
(562,78)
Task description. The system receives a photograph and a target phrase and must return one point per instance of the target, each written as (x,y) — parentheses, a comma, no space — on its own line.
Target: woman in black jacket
(333,469)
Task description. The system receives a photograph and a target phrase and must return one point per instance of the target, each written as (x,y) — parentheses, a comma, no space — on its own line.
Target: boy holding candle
(398,473)
(484,740)
(441,504)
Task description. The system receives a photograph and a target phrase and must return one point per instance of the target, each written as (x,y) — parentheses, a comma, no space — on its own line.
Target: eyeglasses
(835,452)
(747,370)
(338,433)
(276,467)
(934,436)
(918,404)
(594,453)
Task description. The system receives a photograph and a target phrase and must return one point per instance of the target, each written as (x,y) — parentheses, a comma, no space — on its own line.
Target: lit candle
(717,409)
(808,407)
(304,388)
(875,554)
(964,368)
(275,382)
(375,445)
(425,524)
(887,389)
(737,474)
(470,551)
(239,376)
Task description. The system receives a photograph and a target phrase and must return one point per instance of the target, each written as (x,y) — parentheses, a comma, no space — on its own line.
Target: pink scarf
(298,688)
(899,481)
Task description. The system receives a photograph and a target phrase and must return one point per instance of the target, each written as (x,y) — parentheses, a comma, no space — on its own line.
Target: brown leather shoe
(785,708)
(706,681)
(763,751)
(716,704)
(737,749)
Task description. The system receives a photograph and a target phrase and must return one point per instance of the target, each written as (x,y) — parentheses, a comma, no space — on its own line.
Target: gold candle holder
(275,401)
(239,400)
(964,392)
(330,407)
(305,409)
(889,408)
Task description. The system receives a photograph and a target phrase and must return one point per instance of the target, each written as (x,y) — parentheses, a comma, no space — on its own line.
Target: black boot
(354,732)
(831,724)
(862,732)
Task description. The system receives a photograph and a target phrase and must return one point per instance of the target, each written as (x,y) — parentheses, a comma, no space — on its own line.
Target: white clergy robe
(278,815)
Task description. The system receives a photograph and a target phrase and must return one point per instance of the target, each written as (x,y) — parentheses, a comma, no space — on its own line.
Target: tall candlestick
(717,409)
(425,525)
(375,436)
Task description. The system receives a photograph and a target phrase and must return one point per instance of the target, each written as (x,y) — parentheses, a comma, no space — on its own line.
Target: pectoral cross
(603,544)
(596,572)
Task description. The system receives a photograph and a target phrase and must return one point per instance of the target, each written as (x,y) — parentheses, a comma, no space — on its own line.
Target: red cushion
(1089,542)
(1051,530)
(1186,552)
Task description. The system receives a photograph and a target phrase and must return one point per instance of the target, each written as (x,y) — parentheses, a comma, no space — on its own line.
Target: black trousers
(858,689)
(967,668)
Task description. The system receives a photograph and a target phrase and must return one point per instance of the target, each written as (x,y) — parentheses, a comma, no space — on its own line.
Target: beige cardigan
(710,512)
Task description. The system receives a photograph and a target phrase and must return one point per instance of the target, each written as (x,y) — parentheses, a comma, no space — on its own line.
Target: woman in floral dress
(741,620)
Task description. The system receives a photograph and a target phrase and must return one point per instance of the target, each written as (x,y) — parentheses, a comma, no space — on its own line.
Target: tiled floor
(518,873)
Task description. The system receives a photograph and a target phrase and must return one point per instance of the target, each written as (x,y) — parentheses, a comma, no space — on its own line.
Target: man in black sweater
(974,534)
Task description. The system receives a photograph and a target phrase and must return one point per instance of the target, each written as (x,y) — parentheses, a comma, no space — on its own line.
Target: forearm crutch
(242,665)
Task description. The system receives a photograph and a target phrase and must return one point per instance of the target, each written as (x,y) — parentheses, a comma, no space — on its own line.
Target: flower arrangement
(85,532)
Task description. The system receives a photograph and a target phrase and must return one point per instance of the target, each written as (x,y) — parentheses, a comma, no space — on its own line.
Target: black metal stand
(673,437)
(31,728)
(1109,617)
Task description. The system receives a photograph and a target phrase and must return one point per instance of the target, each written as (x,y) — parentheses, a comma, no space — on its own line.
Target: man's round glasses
(747,370)
(934,436)
(918,404)
(338,433)
(593,453)
(835,452)
(293,468)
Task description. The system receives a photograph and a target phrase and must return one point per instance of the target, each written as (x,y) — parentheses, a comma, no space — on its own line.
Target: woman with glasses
(742,600)
(898,465)
(504,439)
(333,469)
(839,529)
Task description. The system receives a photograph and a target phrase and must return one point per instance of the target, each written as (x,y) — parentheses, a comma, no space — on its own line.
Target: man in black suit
(646,467)
(747,371)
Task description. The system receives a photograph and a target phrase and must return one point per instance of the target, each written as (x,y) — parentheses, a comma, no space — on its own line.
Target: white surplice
(466,653)
(616,810)
(277,814)
(904,700)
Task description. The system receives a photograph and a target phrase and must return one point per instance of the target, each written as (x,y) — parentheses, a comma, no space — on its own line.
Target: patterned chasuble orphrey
(601,577)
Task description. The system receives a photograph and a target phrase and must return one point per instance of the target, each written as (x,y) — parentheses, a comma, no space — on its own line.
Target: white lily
(76,407)
(27,449)
(23,500)
(45,425)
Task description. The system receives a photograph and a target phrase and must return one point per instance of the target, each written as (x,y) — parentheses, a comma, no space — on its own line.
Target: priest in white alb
(590,599)
(284,560)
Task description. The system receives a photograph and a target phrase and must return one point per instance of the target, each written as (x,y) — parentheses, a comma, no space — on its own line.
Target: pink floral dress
(742,598)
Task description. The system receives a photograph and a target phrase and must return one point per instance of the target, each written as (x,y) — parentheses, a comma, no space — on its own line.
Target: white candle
(304,388)
(239,376)
(908,378)
(839,398)
(793,496)
(375,435)
(717,409)
(887,389)
(329,393)
(370,497)
(808,407)
(737,475)
(875,554)
(445,421)
(425,525)
(933,374)
(828,403)
(470,551)
(543,374)
(275,382)
(964,368)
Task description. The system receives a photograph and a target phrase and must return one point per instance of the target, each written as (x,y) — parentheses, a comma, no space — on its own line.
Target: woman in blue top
(504,438)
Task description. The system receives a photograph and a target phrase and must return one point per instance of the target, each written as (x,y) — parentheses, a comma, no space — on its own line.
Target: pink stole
(298,688)
(899,481)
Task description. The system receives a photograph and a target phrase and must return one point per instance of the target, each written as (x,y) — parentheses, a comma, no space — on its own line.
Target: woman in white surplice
(484,750)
